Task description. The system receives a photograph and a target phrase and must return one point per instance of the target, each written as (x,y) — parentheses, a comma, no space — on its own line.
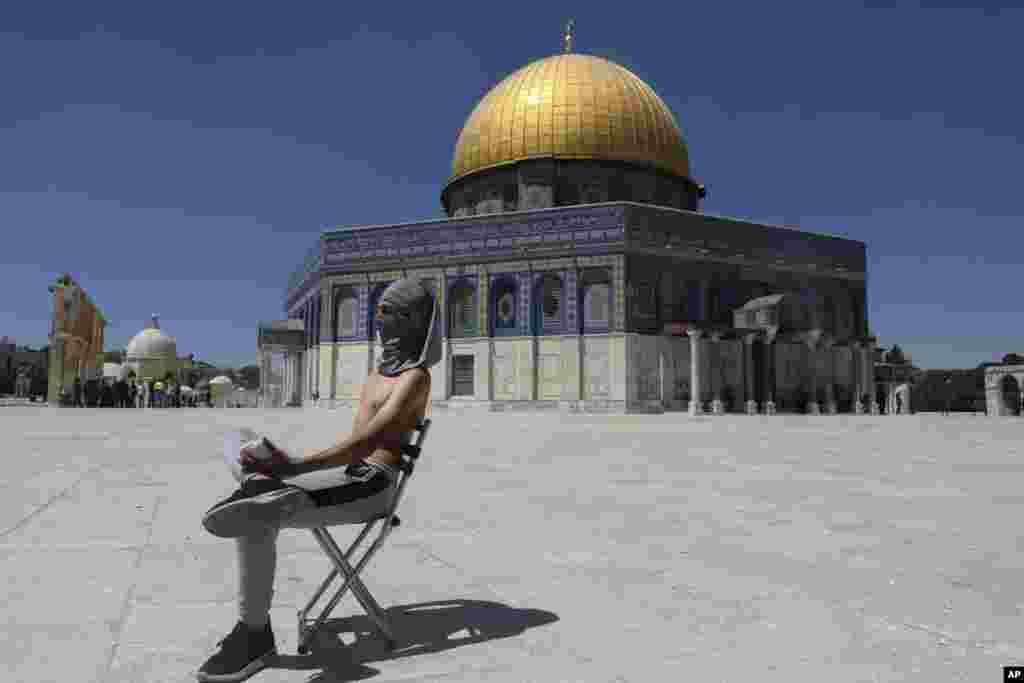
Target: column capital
(750,338)
(694,333)
(716,336)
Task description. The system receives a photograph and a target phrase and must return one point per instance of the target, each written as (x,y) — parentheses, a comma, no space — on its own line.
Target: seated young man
(352,481)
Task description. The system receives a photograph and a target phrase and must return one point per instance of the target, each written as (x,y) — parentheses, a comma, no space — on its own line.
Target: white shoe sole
(245,516)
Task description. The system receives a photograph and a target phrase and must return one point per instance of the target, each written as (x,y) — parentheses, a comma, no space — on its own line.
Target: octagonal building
(575,271)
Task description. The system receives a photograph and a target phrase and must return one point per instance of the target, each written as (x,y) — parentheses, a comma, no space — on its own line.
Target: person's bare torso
(386,449)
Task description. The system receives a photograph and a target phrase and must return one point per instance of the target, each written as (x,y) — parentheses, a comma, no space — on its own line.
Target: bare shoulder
(412,383)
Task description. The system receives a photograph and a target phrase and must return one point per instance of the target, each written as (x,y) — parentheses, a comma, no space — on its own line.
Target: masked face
(389,321)
(404,319)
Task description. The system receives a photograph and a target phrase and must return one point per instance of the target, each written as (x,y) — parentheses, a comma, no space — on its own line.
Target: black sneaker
(243,652)
(257,502)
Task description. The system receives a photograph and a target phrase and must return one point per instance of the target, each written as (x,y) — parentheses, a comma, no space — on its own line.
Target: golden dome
(570,106)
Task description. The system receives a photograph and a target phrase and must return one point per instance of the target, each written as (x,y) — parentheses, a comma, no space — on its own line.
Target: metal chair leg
(351,581)
(359,590)
(333,574)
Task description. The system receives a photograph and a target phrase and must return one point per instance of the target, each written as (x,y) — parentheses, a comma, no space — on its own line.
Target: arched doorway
(1011,394)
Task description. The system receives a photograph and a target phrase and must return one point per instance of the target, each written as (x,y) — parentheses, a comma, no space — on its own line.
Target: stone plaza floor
(537,548)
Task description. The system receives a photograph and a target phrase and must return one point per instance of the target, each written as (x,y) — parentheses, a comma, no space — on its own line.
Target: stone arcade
(575,271)
(1003,395)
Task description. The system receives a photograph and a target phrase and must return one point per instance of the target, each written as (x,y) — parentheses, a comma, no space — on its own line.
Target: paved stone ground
(538,548)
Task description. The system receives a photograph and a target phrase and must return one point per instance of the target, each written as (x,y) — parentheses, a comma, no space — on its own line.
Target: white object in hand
(244,440)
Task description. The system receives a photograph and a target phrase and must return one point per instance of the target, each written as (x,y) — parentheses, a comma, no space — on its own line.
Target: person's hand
(278,466)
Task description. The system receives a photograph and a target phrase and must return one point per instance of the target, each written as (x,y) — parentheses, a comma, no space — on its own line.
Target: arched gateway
(1003,395)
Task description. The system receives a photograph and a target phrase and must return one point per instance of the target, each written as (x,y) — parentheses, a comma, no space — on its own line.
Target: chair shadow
(420,628)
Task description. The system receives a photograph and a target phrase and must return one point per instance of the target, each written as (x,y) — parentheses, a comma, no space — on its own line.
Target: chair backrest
(410,454)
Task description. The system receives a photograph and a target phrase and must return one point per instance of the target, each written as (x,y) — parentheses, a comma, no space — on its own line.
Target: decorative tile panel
(362,314)
(494,283)
(525,301)
(326,312)
(570,298)
(483,297)
(508,267)
(619,288)
(492,235)
(467,269)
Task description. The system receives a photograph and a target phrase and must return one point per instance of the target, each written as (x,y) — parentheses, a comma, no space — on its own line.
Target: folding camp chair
(343,561)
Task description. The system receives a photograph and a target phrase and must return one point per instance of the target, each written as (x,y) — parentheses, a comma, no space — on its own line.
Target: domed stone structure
(569,129)
(152,343)
(574,271)
(152,353)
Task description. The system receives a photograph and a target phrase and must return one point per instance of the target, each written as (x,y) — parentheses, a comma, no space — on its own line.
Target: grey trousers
(257,552)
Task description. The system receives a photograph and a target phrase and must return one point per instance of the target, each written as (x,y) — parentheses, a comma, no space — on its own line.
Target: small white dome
(221,379)
(152,342)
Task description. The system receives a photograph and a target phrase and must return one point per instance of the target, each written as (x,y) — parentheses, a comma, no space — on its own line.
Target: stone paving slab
(537,548)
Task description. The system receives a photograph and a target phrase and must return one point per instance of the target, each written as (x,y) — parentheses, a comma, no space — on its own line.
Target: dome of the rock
(571,106)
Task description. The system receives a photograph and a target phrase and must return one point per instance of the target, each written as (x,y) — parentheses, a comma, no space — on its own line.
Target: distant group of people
(129,394)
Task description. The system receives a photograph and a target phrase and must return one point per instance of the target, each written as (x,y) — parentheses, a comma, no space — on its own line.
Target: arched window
(597,300)
(345,308)
(549,307)
(506,309)
(462,317)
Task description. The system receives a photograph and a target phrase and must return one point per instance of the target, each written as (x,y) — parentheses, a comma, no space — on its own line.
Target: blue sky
(180,159)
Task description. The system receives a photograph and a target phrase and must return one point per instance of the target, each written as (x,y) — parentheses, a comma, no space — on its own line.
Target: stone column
(858,378)
(813,407)
(869,375)
(716,380)
(830,374)
(666,370)
(769,374)
(286,379)
(327,326)
(264,378)
(696,407)
(750,401)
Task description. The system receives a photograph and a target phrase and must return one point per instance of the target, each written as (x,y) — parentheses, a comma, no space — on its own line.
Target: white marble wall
(646,368)
(594,372)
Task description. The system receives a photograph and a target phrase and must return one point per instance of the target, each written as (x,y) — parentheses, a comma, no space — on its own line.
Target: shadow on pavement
(421,628)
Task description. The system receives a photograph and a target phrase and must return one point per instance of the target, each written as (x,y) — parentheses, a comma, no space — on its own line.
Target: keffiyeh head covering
(405,331)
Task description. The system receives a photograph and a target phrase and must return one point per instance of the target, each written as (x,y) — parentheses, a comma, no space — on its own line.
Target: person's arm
(386,420)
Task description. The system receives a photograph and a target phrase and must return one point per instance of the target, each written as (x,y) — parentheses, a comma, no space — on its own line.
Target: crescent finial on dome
(569,27)
(156,321)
